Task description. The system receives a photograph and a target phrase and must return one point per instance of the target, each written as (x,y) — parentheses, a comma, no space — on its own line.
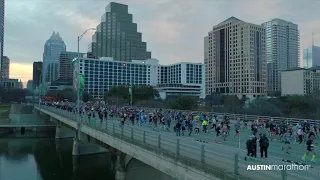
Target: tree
(138,93)
(117,92)
(17,95)
(214,99)
(184,103)
(233,104)
(144,93)
(274,93)
(151,103)
(263,107)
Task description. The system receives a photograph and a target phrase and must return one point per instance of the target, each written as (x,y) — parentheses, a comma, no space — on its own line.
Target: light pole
(232,93)
(130,88)
(39,89)
(78,88)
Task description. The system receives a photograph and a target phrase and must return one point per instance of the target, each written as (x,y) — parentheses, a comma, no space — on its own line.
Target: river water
(23,157)
(50,159)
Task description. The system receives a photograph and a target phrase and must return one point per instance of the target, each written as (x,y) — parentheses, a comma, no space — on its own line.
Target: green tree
(233,104)
(138,93)
(17,95)
(214,99)
(263,107)
(184,103)
(150,103)
(117,92)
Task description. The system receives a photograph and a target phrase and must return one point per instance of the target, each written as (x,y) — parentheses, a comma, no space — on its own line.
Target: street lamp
(131,83)
(78,89)
(39,89)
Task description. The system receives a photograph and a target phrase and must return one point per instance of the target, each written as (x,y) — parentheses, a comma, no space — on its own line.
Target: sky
(173,29)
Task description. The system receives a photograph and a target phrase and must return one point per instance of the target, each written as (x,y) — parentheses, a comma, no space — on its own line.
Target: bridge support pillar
(121,165)
(63,132)
(82,148)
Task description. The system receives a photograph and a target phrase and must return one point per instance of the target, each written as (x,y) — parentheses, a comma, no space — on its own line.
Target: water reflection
(50,159)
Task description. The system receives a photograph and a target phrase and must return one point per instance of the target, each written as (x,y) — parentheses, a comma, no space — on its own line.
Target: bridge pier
(85,148)
(121,165)
(63,132)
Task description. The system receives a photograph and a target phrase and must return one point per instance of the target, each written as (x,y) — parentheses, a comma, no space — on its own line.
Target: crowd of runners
(183,123)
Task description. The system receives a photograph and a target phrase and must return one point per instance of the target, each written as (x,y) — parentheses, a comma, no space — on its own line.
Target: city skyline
(174,35)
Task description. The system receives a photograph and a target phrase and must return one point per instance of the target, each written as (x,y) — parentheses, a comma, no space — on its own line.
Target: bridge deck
(209,153)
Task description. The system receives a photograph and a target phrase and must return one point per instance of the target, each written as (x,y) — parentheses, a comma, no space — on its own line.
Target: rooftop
(231,19)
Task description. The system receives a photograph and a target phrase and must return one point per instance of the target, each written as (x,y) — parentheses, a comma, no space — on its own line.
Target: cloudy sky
(173,29)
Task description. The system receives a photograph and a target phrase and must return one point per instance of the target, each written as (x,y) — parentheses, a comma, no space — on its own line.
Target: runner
(218,134)
(204,125)
(214,123)
(237,127)
(310,148)
(197,129)
(225,132)
(286,138)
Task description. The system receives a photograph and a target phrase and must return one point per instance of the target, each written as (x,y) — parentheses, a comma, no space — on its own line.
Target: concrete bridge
(177,157)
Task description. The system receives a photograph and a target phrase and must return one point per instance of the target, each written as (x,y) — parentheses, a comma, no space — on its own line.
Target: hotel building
(235,59)
(170,80)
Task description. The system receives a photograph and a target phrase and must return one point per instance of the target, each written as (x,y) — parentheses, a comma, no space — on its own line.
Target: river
(50,159)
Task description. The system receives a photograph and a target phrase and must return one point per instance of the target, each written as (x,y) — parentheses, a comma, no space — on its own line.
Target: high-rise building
(30,85)
(36,74)
(5,67)
(52,49)
(282,50)
(311,56)
(234,56)
(65,65)
(171,80)
(2,6)
(117,36)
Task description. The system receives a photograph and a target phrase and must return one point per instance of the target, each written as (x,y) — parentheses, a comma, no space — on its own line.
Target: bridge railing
(215,156)
(243,116)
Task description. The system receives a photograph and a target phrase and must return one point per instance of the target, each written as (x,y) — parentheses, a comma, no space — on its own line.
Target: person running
(218,134)
(123,119)
(183,126)
(282,129)
(310,148)
(225,132)
(286,138)
(254,128)
(245,124)
(178,128)
(189,124)
(300,134)
(214,122)
(264,144)
(237,127)
(197,129)
(205,125)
